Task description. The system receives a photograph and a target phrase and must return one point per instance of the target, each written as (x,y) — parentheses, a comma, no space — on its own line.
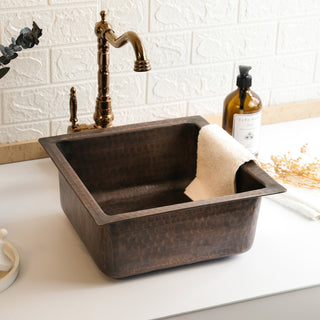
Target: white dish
(8,277)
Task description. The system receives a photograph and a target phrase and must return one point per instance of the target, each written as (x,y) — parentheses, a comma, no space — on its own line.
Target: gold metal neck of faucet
(103,115)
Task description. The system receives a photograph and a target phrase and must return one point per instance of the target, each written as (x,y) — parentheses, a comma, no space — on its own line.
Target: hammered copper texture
(122,189)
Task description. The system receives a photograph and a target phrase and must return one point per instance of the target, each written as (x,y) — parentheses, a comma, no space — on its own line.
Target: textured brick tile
(24,132)
(167,50)
(288,70)
(53,2)
(149,113)
(6,4)
(264,96)
(31,67)
(59,126)
(232,42)
(121,59)
(128,89)
(125,15)
(206,106)
(205,33)
(317,69)
(60,25)
(47,102)
(163,50)
(175,14)
(182,84)
(1,110)
(299,35)
(256,10)
(73,63)
(295,94)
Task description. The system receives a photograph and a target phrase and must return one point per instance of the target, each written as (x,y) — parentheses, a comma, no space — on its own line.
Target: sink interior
(149,168)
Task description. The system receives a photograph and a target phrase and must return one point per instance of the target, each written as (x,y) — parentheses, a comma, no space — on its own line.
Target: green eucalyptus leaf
(3,71)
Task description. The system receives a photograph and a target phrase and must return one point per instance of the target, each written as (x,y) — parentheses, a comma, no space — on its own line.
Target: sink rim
(50,144)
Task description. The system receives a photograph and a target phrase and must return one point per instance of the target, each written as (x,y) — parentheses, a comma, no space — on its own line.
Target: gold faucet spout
(104,30)
(142,63)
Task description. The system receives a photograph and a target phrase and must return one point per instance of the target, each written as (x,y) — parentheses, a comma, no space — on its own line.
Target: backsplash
(194,48)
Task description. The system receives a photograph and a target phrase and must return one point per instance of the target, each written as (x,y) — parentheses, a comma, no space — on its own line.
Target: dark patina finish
(123,190)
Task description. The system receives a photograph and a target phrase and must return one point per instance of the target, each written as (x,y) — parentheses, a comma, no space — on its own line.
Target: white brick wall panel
(295,94)
(206,106)
(167,50)
(299,35)
(59,126)
(176,14)
(54,2)
(121,59)
(317,69)
(264,96)
(128,89)
(23,132)
(31,106)
(6,4)
(125,15)
(46,103)
(23,105)
(234,42)
(74,63)
(5,41)
(257,10)
(1,110)
(182,84)
(163,50)
(149,113)
(280,71)
(59,25)
(31,67)
(292,70)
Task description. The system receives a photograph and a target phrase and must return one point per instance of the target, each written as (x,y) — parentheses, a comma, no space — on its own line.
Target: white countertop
(59,280)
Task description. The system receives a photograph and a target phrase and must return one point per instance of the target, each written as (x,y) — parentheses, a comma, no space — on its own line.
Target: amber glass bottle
(242,112)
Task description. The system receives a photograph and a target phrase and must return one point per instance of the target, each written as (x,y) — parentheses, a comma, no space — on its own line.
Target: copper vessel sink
(122,188)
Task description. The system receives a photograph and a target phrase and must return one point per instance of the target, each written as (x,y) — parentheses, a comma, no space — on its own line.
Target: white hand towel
(218,158)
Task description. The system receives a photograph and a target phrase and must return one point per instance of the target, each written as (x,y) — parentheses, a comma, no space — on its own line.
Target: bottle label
(246,130)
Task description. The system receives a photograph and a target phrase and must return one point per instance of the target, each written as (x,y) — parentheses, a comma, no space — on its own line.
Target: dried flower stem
(295,171)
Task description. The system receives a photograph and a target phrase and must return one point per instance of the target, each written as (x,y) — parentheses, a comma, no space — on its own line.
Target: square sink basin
(122,188)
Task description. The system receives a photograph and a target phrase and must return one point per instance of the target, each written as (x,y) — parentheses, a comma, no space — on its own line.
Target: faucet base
(80,127)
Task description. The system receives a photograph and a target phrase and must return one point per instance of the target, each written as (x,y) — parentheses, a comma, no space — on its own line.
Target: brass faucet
(103,115)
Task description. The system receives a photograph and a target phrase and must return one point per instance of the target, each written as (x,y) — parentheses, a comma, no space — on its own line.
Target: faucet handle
(103,25)
(73,107)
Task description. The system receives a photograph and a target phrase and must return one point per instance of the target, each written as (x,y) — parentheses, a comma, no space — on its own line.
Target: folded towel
(218,158)
(305,202)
